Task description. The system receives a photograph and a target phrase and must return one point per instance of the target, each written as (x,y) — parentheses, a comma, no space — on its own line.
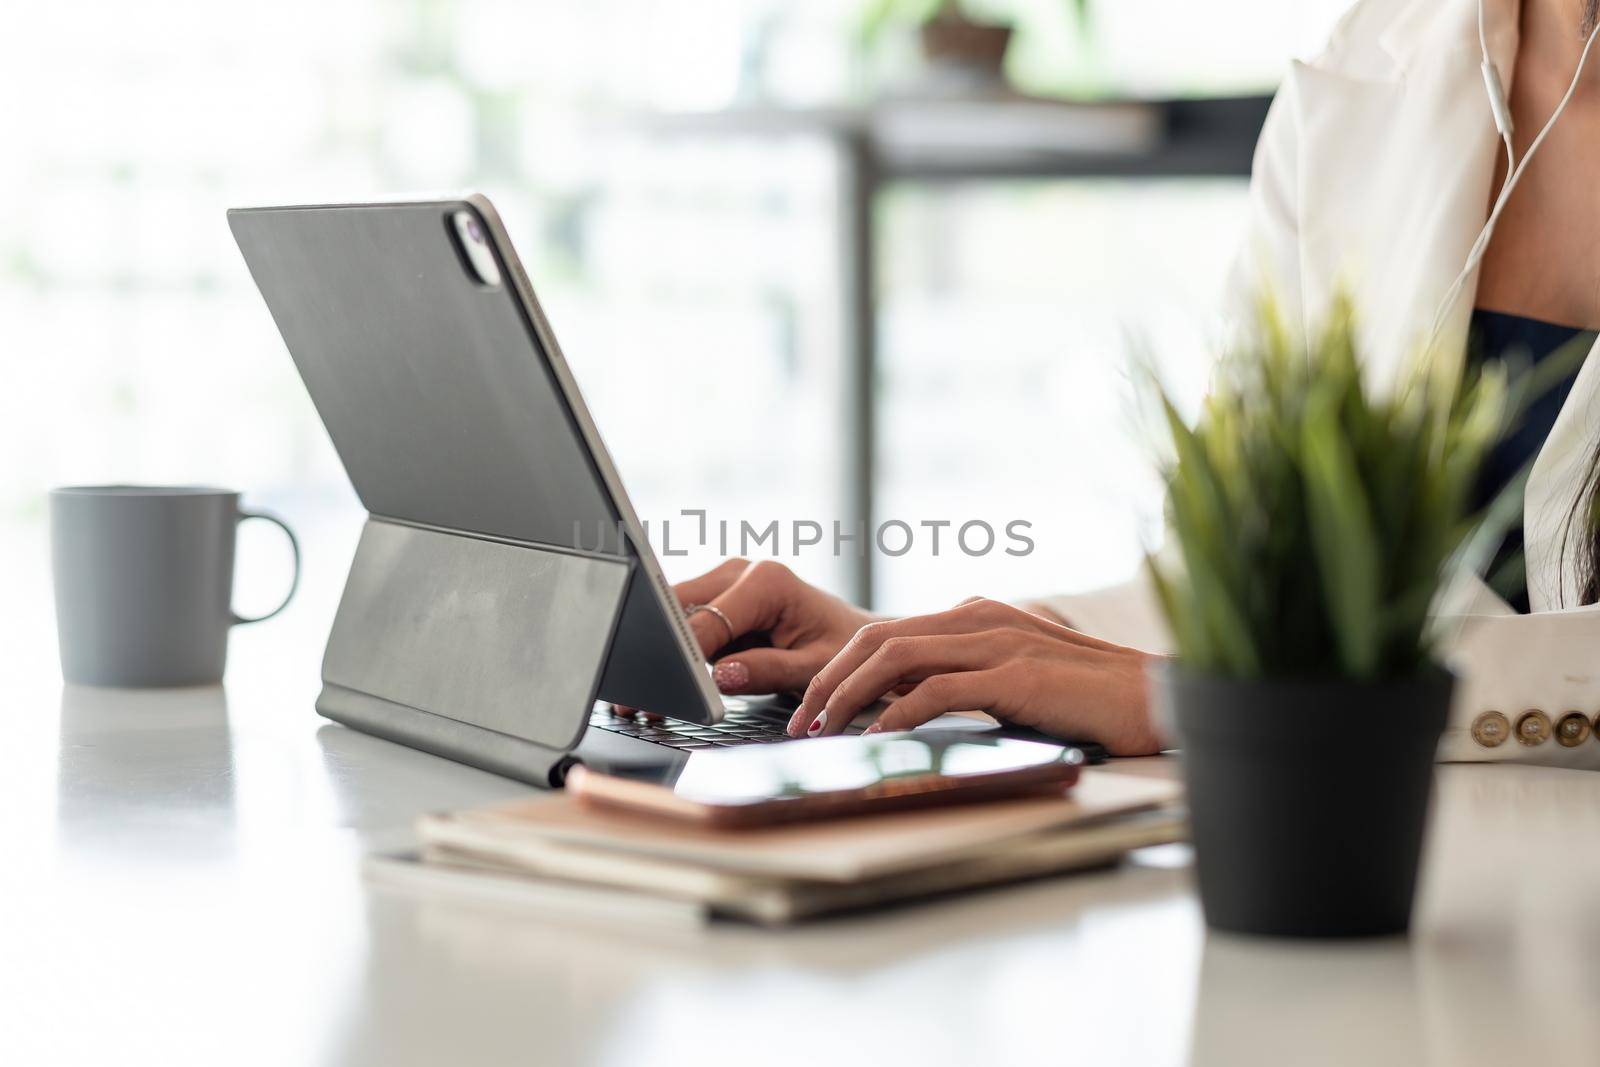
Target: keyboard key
(670,733)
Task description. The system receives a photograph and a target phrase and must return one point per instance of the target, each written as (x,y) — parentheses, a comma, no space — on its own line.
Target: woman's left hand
(988,656)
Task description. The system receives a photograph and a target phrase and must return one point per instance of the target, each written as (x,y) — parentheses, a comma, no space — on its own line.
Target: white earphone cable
(1497,93)
(1513,174)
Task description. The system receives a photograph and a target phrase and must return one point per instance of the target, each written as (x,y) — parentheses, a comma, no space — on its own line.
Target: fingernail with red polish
(817,724)
(731,677)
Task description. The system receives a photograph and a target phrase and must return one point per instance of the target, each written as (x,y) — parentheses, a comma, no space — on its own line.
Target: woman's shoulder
(1361,41)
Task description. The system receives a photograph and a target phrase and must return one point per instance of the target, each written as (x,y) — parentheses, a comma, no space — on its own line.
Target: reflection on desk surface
(186,862)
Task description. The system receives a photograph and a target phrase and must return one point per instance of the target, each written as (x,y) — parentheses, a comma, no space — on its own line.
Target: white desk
(179,886)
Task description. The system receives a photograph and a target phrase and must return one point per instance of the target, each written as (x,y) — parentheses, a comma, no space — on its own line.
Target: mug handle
(294,546)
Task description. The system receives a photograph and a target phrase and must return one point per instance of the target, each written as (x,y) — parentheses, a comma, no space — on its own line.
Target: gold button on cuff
(1572,730)
(1533,728)
(1491,729)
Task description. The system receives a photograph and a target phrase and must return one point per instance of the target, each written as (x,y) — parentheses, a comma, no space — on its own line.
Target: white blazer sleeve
(1126,614)
(1528,686)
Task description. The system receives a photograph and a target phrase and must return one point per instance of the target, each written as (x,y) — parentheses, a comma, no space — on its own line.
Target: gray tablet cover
(491,580)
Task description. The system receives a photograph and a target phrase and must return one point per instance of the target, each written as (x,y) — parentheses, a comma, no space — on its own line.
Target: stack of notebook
(557,855)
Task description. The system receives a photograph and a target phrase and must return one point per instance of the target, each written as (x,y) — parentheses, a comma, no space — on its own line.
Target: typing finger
(866,642)
(936,695)
(765,670)
(712,584)
(751,604)
(622,711)
(901,660)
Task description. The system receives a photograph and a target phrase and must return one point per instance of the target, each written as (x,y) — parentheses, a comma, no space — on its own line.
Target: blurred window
(692,281)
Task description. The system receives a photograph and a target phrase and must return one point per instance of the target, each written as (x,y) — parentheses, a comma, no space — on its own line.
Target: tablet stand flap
(483,651)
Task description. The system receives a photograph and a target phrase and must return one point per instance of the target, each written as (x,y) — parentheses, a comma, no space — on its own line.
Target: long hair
(1583,516)
(1580,536)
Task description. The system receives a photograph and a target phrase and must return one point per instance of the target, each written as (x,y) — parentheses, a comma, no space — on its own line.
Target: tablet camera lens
(475,248)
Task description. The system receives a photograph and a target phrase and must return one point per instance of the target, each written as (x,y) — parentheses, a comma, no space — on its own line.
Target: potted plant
(1314,523)
(952,39)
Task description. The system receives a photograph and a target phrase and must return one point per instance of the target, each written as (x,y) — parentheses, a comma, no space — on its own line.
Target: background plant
(1314,520)
(878,15)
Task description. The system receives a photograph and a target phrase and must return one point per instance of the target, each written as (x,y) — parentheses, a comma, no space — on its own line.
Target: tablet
(504,581)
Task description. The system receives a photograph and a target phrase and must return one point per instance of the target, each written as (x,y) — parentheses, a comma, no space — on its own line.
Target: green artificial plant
(1314,520)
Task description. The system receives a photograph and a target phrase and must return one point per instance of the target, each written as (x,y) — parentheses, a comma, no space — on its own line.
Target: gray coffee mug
(144,582)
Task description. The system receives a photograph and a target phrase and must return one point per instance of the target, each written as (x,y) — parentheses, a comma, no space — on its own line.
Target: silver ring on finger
(714,610)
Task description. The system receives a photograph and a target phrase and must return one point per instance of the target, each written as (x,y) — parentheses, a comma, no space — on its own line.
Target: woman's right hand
(785,630)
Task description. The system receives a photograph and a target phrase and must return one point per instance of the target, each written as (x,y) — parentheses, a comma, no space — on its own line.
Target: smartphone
(820,778)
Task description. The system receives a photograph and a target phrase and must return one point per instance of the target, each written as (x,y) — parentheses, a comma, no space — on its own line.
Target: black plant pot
(1308,799)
